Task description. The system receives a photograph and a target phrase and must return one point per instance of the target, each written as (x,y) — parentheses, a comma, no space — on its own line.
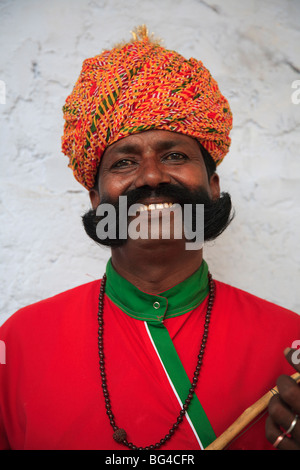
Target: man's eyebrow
(127,148)
(167,144)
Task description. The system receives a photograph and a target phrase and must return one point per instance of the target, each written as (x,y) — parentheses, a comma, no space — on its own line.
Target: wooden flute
(245,418)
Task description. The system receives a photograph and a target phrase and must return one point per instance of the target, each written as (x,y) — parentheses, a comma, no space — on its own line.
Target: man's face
(150,159)
(156,169)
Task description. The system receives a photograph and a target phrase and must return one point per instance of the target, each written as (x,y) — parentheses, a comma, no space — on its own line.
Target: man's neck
(156,267)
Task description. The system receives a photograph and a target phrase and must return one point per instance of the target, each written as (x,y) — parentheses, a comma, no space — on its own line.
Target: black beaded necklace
(119,434)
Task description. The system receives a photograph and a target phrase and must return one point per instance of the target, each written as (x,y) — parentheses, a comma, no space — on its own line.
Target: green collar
(178,300)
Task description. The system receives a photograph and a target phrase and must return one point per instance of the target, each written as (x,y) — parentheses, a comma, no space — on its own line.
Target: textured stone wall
(252,49)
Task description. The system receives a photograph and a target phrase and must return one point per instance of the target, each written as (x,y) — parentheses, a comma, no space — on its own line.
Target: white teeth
(151,207)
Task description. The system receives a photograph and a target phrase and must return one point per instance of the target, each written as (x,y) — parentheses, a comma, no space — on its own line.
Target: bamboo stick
(245,418)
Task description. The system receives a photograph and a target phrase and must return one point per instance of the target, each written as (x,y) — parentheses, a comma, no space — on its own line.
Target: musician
(158,354)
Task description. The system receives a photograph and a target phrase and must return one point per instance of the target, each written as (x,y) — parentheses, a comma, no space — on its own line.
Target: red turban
(138,87)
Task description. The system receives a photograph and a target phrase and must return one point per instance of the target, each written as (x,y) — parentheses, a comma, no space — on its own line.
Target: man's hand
(284,409)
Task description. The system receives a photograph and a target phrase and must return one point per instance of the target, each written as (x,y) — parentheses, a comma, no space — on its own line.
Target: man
(179,356)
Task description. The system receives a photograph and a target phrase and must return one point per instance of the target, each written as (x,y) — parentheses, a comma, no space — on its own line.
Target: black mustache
(218,213)
(179,194)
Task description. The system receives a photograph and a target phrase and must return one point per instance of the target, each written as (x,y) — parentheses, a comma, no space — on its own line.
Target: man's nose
(152,173)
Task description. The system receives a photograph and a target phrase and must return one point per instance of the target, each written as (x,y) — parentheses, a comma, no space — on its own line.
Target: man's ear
(95,198)
(214,184)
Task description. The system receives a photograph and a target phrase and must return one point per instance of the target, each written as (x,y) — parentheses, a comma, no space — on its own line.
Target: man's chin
(156,247)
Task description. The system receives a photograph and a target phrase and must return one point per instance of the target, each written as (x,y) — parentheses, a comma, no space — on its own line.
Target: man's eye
(174,156)
(123,163)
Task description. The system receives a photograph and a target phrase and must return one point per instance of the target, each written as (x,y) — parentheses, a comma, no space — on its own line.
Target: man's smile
(156,206)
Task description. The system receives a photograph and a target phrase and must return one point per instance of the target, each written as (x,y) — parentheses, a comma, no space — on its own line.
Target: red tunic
(50,388)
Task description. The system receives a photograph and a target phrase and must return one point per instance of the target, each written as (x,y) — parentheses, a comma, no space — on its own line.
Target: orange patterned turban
(137,87)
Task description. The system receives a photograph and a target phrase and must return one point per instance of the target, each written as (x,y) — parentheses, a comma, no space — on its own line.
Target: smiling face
(150,159)
(155,168)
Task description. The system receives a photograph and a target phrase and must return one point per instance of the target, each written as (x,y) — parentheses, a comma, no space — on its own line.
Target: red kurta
(50,388)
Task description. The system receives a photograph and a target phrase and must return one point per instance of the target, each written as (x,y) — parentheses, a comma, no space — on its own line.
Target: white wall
(251,47)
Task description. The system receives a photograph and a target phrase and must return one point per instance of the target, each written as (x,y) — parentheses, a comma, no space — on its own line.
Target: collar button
(156,305)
